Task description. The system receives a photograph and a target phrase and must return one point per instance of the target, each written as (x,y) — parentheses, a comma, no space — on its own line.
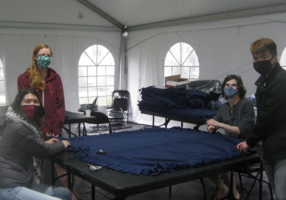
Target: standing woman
(22,148)
(49,86)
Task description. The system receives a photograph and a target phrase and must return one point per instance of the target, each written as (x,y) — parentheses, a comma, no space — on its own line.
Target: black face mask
(263,67)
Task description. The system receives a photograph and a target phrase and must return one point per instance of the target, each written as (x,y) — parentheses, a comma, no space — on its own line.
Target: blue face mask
(43,61)
(230,91)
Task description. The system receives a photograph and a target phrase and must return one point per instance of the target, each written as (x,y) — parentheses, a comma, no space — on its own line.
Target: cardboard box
(175,81)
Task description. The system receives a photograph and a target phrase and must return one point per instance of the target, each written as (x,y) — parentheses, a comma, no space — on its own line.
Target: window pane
(101,71)
(85,60)
(83,100)
(82,71)
(96,71)
(91,99)
(2,99)
(110,80)
(1,74)
(82,81)
(82,92)
(110,71)
(176,70)
(109,90)
(108,60)
(170,60)
(102,101)
(185,72)
(176,51)
(109,100)
(102,53)
(167,71)
(192,60)
(91,71)
(195,72)
(182,54)
(187,50)
(92,54)
(101,91)
(91,81)
(92,91)
(101,81)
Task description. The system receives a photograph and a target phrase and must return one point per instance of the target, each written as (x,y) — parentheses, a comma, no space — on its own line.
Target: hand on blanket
(212,125)
(243,147)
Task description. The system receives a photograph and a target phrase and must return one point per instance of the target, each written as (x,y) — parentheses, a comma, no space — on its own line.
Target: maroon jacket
(54,101)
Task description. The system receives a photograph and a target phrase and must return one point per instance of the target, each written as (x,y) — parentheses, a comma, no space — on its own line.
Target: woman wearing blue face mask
(236,117)
(49,87)
(22,148)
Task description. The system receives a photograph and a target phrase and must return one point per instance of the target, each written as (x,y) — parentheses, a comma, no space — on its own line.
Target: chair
(100,118)
(248,172)
(120,105)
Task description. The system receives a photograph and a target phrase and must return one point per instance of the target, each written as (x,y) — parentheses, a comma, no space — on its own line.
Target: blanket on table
(154,151)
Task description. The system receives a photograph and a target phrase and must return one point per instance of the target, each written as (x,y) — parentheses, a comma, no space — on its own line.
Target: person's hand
(66,143)
(213,122)
(243,147)
(211,129)
(51,141)
(48,135)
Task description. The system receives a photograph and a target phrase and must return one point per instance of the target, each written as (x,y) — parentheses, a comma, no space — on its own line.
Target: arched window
(2,85)
(182,59)
(283,59)
(96,69)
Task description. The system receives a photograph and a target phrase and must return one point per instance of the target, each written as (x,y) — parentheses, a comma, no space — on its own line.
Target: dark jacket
(18,145)
(271,114)
(54,102)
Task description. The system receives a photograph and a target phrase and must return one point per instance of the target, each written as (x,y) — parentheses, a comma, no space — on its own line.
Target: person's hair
(16,106)
(35,79)
(262,45)
(241,89)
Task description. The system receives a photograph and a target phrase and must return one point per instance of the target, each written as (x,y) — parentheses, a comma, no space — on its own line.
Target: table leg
(53,172)
(92,192)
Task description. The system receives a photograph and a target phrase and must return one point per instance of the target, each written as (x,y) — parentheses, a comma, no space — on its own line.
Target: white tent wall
(17,46)
(222,47)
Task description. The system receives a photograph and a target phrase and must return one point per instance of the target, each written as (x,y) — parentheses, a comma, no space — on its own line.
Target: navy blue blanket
(155,151)
(178,102)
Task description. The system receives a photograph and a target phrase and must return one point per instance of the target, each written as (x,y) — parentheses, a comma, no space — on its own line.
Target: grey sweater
(18,145)
(241,116)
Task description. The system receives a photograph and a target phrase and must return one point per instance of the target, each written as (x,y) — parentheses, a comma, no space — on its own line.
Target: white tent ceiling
(135,14)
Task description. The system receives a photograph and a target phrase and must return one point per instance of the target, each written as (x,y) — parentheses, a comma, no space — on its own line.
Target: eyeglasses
(48,55)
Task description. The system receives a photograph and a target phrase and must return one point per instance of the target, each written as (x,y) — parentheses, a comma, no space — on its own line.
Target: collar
(262,80)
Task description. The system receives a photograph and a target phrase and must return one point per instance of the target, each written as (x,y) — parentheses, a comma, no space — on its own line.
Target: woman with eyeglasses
(236,117)
(22,148)
(48,85)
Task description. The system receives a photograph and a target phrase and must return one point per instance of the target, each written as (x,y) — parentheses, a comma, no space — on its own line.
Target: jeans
(38,191)
(278,174)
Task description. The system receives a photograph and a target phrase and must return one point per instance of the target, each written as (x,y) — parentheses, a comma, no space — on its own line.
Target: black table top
(124,184)
(71,118)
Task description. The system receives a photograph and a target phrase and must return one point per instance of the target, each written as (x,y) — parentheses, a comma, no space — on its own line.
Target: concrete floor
(187,191)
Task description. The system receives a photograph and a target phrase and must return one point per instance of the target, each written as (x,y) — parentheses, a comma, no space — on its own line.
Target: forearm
(228,128)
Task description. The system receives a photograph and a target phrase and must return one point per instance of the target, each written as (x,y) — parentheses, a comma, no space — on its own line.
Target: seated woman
(22,148)
(236,118)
